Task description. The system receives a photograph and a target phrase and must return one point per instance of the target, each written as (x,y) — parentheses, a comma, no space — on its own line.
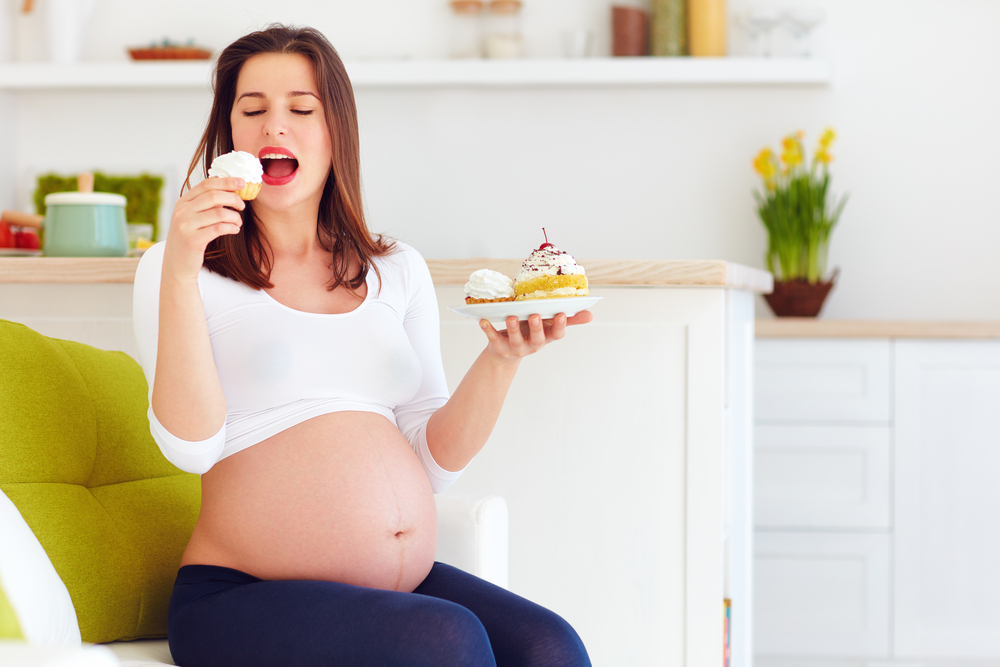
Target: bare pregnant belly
(341,497)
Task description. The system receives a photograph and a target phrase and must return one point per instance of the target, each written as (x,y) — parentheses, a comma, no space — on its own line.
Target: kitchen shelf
(444,73)
(600,272)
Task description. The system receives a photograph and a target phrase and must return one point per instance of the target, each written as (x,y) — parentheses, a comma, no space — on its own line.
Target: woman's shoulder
(402,255)
(403,266)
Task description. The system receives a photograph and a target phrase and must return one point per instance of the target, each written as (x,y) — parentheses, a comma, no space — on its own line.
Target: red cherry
(546,244)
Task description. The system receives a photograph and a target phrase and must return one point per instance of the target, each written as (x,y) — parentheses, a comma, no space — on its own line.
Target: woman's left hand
(522,338)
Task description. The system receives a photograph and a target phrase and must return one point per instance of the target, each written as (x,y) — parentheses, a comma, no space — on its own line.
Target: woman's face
(278,116)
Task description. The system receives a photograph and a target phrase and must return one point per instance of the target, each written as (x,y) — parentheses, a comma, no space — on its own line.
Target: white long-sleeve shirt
(280,366)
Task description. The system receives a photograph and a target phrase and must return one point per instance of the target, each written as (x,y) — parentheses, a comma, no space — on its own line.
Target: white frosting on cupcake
(238,164)
(488,284)
(548,261)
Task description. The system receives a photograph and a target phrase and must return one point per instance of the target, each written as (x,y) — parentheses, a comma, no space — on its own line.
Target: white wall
(617,172)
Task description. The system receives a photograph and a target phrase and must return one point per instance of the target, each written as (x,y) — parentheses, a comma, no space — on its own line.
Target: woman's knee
(549,642)
(454,637)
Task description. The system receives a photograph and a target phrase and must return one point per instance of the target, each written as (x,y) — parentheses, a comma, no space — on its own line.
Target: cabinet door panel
(821,595)
(822,380)
(947,499)
(821,476)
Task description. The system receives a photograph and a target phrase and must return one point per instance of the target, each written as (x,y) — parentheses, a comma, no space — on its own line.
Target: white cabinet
(827,381)
(877,503)
(821,496)
(821,594)
(947,557)
(822,476)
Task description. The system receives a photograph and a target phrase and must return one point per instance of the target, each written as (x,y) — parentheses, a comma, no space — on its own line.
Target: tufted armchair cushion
(78,462)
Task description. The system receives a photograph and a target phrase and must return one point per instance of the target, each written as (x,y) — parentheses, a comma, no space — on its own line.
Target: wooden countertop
(600,272)
(807,327)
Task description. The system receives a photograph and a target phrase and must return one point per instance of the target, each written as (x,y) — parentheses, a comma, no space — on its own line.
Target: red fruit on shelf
(6,236)
(26,240)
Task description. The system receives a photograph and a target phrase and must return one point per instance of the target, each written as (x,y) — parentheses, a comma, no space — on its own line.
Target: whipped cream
(550,261)
(488,284)
(238,164)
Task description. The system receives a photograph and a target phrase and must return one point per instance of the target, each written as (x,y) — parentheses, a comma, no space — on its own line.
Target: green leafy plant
(142,193)
(797,208)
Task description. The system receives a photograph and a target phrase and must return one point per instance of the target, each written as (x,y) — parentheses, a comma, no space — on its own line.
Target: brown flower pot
(798,298)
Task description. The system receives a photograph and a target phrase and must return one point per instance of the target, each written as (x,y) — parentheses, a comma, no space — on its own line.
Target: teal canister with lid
(85,224)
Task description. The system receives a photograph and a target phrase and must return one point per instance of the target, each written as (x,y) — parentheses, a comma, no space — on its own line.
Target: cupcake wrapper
(249,191)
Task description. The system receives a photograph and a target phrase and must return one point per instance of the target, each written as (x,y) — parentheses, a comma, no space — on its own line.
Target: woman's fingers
(582,317)
(491,333)
(521,338)
(558,328)
(536,331)
(514,337)
(219,184)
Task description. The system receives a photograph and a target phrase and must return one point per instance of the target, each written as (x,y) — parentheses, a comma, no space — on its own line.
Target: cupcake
(486,286)
(550,273)
(240,164)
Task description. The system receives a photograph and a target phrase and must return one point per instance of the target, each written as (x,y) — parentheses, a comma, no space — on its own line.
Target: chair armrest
(20,654)
(472,535)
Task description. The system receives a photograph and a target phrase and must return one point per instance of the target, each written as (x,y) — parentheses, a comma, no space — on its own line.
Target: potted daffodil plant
(799,213)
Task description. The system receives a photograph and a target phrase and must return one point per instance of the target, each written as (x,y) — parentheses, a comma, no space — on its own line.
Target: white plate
(19,252)
(547,308)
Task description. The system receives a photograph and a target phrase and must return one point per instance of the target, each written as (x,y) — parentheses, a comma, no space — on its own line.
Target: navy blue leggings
(220,617)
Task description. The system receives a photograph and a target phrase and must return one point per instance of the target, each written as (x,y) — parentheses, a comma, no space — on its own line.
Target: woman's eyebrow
(292,93)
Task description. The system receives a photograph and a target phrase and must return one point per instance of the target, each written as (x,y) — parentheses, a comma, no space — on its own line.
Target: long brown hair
(246,257)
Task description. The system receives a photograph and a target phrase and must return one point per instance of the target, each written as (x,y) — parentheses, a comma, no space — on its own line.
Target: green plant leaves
(799,216)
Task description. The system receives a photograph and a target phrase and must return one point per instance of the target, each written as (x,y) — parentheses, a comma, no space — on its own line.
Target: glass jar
(466,29)
(503,37)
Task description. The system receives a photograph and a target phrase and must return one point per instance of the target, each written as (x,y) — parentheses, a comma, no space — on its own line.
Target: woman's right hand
(204,213)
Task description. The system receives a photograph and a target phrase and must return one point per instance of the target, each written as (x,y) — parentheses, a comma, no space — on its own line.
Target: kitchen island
(624,451)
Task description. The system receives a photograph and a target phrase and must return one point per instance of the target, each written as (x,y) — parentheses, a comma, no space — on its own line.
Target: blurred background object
(707,28)
(66,23)
(504,38)
(466,29)
(668,28)
(168,50)
(759,23)
(800,22)
(142,192)
(577,43)
(629,31)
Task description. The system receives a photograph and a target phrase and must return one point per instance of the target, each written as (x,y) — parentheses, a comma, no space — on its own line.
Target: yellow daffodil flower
(827,138)
(765,165)
(823,156)
(792,153)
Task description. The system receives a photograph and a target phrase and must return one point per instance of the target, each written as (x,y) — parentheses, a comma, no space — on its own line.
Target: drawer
(822,380)
(821,595)
(822,476)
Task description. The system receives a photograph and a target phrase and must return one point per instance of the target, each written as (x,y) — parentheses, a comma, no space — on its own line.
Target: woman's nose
(275,126)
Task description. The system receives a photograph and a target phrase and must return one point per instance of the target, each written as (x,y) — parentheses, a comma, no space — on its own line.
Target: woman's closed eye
(297,112)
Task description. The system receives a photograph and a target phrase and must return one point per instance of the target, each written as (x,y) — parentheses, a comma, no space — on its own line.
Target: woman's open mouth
(279,165)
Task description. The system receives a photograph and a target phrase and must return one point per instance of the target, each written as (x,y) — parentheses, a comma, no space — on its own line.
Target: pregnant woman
(293,360)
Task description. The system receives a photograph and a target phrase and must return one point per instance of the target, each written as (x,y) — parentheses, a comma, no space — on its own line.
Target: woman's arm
(188,406)
(460,428)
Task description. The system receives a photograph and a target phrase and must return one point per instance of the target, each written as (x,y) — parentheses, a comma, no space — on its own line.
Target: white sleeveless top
(280,366)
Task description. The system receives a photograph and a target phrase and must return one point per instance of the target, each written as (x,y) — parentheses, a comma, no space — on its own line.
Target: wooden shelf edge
(806,327)
(600,272)
(68,270)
